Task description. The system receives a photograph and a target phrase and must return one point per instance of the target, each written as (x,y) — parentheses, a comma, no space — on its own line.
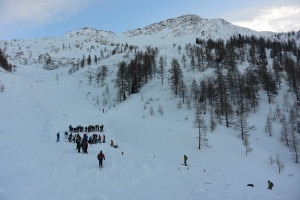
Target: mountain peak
(169,24)
(188,18)
(185,18)
(186,28)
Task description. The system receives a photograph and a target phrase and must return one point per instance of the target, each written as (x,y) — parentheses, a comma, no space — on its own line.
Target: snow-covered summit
(184,23)
(192,26)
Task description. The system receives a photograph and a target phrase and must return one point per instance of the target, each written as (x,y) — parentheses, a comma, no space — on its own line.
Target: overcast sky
(26,19)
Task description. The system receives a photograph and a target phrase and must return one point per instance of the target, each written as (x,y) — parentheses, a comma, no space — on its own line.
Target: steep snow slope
(36,105)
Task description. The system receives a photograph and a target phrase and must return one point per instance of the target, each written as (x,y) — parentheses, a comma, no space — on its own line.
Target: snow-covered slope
(36,105)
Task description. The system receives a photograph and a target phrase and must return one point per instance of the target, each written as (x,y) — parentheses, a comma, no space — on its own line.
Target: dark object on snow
(101,157)
(57,137)
(184,164)
(78,145)
(103,141)
(250,185)
(184,159)
(111,143)
(270,185)
(84,146)
(66,135)
(70,137)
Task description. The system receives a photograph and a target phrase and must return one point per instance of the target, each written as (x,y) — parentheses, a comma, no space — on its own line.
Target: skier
(101,157)
(57,137)
(185,158)
(270,185)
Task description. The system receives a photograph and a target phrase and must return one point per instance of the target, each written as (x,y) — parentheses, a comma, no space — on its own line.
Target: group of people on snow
(92,139)
(90,128)
(82,142)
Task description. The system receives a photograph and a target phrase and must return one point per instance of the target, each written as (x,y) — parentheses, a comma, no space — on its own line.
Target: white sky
(35,18)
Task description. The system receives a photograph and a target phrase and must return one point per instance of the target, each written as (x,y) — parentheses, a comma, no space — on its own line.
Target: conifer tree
(161,69)
(202,128)
(175,76)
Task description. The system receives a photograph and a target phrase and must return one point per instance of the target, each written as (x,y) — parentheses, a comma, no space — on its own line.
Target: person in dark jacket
(270,185)
(70,137)
(57,137)
(78,145)
(184,159)
(101,157)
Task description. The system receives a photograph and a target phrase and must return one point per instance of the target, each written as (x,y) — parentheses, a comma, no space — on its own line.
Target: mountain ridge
(193,25)
(181,27)
(69,49)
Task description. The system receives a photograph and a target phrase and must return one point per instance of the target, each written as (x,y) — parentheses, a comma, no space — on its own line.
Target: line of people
(92,139)
(89,128)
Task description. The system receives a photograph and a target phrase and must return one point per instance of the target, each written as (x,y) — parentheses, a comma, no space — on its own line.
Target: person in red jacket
(101,157)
